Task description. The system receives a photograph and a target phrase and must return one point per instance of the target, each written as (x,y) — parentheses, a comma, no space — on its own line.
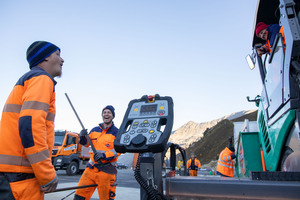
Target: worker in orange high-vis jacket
(102,137)
(225,162)
(193,165)
(27,127)
(268,33)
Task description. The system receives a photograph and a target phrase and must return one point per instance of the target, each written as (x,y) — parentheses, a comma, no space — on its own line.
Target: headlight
(59,160)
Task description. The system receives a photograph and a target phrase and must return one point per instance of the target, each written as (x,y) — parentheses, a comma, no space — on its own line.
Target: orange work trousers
(29,189)
(106,184)
(192,172)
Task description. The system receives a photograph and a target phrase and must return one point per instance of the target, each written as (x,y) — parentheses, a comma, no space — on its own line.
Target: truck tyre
(72,169)
(286,152)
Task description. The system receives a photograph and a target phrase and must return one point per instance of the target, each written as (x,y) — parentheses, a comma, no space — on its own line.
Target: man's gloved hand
(51,187)
(98,155)
(83,132)
(261,50)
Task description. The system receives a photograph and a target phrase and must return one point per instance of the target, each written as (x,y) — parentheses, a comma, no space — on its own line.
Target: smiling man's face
(263,34)
(107,116)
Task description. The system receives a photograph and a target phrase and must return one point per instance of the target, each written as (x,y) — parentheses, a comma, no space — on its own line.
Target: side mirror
(250,62)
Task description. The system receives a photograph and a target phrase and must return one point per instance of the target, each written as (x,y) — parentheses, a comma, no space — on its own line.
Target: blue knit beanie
(111,108)
(38,51)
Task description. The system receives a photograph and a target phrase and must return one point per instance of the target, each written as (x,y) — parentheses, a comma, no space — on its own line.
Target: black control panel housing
(140,130)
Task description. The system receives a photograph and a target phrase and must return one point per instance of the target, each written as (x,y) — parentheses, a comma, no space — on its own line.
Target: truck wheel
(287,151)
(72,169)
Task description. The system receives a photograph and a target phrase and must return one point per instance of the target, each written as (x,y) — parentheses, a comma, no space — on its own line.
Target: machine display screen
(148,108)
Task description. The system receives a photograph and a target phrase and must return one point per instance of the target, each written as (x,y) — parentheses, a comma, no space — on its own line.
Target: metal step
(216,187)
(275,176)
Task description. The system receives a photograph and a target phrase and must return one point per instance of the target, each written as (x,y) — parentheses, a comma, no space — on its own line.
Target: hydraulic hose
(151,192)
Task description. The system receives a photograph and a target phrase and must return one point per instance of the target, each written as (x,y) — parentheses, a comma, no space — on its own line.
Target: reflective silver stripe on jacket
(228,162)
(38,157)
(91,150)
(35,105)
(50,116)
(14,108)
(92,163)
(14,160)
(225,165)
(113,163)
(114,152)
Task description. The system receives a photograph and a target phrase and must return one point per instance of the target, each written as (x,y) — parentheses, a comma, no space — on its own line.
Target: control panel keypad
(146,127)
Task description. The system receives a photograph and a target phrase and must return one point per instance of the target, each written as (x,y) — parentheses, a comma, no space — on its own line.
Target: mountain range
(205,139)
(193,131)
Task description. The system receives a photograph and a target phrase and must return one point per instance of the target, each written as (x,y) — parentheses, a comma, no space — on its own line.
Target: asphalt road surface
(125,178)
(127,187)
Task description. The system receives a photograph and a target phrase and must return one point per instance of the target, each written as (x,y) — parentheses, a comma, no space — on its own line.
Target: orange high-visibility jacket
(103,140)
(27,127)
(268,45)
(225,164)
(189,163)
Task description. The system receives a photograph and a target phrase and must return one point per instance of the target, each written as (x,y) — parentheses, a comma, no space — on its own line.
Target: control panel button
(126,139)
(134,127)
(153,124)
(152,138)
(146,125)
(139,130)
(151,131)
(161,112)
(139,140)
(145,130)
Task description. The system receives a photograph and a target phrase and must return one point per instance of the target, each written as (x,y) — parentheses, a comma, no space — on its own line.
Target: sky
(119,50)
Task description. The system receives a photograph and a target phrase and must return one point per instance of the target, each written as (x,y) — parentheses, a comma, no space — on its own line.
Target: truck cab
(279,103)
(68,153)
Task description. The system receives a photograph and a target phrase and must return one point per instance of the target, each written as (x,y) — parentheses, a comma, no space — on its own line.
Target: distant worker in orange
(225,163)
(102,137)
(27,127)
(193,164)
(268,33)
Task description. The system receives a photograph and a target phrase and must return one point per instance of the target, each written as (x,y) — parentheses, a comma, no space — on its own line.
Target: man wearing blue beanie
(102,137)
(27,127)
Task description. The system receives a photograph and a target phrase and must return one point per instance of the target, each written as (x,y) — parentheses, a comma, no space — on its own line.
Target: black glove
(98,155)
(83,132)
(233,156)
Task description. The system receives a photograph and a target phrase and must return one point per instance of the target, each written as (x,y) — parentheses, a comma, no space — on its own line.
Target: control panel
(146,126)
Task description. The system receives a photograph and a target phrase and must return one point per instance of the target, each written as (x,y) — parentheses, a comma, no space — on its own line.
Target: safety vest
(103,140)
(225,164)
(197,163)
(179,164)
(27,127)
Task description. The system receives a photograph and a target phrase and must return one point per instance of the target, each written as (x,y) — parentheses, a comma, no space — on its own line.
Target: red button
(150,98)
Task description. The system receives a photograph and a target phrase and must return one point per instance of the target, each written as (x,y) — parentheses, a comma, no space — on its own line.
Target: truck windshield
(59,138)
